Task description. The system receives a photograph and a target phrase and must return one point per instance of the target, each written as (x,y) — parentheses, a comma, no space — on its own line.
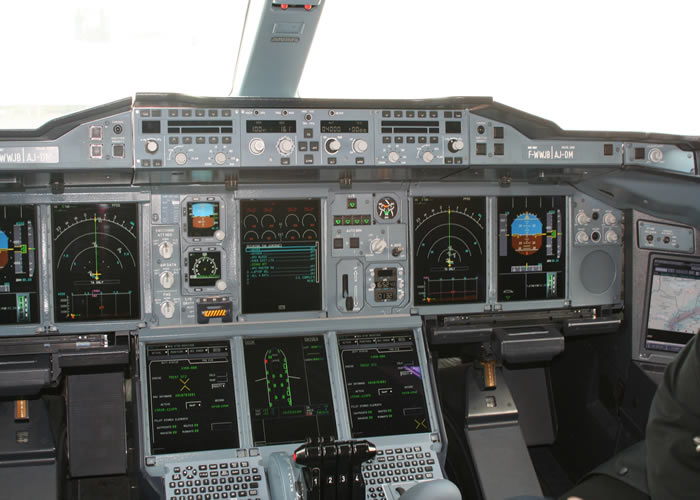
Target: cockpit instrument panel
(191,398)
(531,248)
(384,384)
(280,255)
(96,262)
(449,261)
(289,389)
(19,283)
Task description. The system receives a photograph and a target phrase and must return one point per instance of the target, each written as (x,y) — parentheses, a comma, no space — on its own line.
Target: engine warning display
(531,248)
(96,262)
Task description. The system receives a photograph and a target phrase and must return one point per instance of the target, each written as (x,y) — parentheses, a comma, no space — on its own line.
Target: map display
(675,304)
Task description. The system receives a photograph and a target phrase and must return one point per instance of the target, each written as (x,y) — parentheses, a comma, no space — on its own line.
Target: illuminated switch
(352,203)
(338,243)
(354,242)
(96,151)
(96,133)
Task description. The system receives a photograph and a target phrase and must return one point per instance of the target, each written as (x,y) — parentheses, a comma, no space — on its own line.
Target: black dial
(449,255)
(96,262)
(387,208)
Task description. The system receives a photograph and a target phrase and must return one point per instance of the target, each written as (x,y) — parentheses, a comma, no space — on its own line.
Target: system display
(271,126)
(384,384)
(674,304)
(289,389)
(204,268)
(202,219)
(19,283)
(344,126)
(280,256)
(191,398)
(449,265)
(96,262)
(531,248)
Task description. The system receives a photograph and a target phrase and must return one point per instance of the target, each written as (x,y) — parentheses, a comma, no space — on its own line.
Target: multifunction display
(204,268)
(19,283)
(191,399)
(202,219)
(289,389)
(96,262)
(449,265)
(674,304)
(280,256)
(531,248)
(384,384)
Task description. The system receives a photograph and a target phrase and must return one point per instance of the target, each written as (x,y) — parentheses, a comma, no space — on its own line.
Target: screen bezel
(656,353)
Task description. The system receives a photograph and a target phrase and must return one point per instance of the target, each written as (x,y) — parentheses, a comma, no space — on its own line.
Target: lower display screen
(531,248)
(191,398)
(19,282)
(204,268)
(289,389)
(674,305)
(384,384)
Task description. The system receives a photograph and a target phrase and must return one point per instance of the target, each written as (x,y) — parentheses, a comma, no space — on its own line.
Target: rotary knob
(393,157)
(611,236)
(428,156)
(455,145)
(582,218)
(181,158)
(256,146)
(656,155)
(220,158)
(166,249)
(359,146)
(219,235)
(167,309)
(333,145)
(167,279)
(377,245)
(609,219)
(285,146)
(581,237)
(151,146)
(220,285)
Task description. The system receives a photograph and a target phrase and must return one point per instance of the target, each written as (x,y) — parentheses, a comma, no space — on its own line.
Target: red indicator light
(294,457)
(284,6)
(307,7)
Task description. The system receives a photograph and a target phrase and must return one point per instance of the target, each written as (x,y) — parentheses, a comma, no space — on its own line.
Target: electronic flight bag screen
(191,400)
(383,384)
(674,304)
(289,389)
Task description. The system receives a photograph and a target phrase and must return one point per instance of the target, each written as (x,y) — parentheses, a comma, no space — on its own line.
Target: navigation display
(449,265)
(202,219)
(19,283)
(191,400)
(204,268)
(674,304)
(96,262)
(384,384)
(289,389)
(531,248)
(280,256)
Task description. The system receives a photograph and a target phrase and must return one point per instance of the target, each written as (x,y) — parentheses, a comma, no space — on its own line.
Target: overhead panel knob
(359,146)
(256,146)
(393,157)
(333,145)
(428,156)
(220,158)
(455,145)
(151,146)
(285,146)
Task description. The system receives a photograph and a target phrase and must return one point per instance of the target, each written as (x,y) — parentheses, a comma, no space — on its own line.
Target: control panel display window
(280,256)
(96,262)
(19,282)
(384,384)
(202,219)
(674,304)
(449,261)
(289,389)
(531,248)
(191,398)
